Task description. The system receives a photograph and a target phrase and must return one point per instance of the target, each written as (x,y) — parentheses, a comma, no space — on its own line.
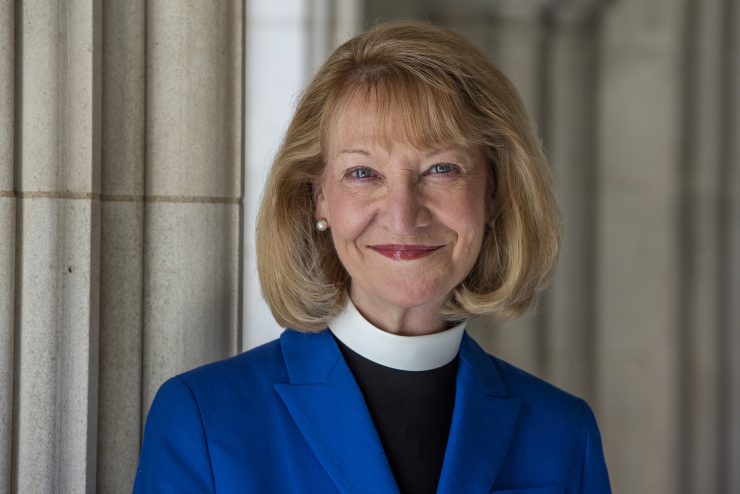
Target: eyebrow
(355,151)
(433,152)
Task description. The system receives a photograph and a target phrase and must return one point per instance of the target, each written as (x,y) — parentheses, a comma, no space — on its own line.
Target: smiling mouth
(406,252)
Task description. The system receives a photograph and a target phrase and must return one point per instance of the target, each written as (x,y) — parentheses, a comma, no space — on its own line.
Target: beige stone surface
(37,92)
(700,315)
(191,286)
(516,46)
(121,321)
(83,108)
(7,74)
(731,292)
(122,255)
(123,98)
(515,341)
(58,84)
(57,347)
(7,239)
(7,329)
(194,98)
(383,10)
(569,135)
(638,265)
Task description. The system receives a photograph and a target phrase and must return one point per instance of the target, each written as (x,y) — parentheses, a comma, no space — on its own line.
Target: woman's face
(407,223)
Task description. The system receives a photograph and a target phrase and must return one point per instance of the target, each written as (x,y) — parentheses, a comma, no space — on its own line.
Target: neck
(406,321)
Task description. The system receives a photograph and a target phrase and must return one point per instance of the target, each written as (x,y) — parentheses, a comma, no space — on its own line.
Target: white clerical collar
(409,353)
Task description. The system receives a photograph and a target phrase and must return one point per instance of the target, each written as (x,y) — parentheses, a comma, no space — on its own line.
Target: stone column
(7,238)
(730,226)
(700,265)
(709,316)
(347,20)
(57,169)
(192,185)
(570,139)
(122,237)
(730,319)
(120,193)
(638,267)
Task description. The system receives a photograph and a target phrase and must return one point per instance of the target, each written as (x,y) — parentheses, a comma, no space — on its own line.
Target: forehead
(375,116)
(360,124)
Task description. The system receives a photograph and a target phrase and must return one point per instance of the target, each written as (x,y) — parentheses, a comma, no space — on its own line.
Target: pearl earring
(322,225)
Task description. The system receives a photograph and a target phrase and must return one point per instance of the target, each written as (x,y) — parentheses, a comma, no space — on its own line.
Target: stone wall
(120,193)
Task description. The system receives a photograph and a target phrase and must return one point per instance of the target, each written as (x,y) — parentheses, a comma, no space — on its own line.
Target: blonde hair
(442,90)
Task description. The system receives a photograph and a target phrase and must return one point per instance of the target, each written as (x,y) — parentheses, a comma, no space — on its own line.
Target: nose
(404,209)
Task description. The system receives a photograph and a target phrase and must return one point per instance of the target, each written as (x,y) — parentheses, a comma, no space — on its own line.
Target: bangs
(406,109)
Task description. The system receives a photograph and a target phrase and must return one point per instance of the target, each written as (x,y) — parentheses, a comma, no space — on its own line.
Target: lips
(405,252)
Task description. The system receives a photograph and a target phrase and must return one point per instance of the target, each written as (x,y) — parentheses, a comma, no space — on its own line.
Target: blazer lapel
(483,424)
(327,405)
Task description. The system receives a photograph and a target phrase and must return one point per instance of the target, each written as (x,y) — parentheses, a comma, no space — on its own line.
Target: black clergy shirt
(412,412)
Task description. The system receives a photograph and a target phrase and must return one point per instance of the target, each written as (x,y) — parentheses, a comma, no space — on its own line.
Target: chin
(410,295)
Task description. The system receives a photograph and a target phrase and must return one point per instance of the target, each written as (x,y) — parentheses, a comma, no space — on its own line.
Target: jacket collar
(483,424)
(329,409)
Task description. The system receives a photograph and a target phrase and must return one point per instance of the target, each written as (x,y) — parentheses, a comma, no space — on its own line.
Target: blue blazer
(288,417)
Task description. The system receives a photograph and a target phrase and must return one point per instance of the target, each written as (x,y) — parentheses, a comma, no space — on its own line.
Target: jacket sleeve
(174,455)
(594,475)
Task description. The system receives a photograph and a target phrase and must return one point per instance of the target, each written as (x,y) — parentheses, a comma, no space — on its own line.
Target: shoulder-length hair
(441,90)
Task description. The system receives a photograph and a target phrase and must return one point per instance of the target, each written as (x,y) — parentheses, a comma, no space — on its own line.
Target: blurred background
(134,141)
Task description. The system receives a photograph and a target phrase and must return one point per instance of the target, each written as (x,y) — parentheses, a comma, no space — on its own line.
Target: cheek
(349,216)
(467,219)
(467,213)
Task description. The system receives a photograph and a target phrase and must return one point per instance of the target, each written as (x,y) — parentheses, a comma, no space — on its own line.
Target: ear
(319,199)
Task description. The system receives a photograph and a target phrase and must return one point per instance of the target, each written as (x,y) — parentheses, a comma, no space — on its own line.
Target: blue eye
(442,168)
(361,173)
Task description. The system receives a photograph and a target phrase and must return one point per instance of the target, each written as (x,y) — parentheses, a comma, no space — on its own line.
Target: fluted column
(122,251)
(7,239)
(639,269)
(120,193)
(730,219)
(57,182)
(709,315)
(569,133)
(192,186)
(701,296)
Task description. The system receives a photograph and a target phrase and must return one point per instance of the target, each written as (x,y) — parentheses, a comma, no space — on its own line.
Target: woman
(409,195)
